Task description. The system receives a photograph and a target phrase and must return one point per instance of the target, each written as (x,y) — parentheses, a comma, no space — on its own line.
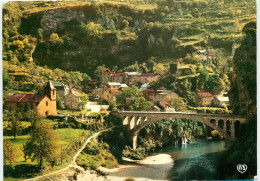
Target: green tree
(202,79)
(212,83)
(132,68)
(40,34)
(42,144)
(99,71)
(138,102)
(7,81)
(13,121)
(112,106)
(83,101)
(177,103)
(55,39)
(92,31)
(9,152)
(59,102)
(32,116)
(125,23)
(151,63)
(86,78)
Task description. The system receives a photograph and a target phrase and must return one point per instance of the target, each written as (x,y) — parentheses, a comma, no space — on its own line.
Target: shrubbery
(137,154)
(96,154)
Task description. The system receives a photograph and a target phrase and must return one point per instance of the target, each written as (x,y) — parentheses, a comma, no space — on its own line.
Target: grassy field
(21,169)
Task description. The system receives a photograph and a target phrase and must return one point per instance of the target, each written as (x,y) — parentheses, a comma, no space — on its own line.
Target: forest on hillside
(79,36)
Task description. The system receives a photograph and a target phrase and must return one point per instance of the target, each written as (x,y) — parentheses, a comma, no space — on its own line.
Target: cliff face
(243,83)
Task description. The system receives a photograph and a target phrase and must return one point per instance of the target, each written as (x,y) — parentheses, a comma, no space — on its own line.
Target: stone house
(117,77)
(131,78)
(106,76)
(113,94)
(148,77)
(61,89)
(220,101)
(44,104)
(205,98)
(98,92)
(165,95)
(71,100)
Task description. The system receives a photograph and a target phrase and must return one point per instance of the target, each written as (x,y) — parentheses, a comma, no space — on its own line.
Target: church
(44,104)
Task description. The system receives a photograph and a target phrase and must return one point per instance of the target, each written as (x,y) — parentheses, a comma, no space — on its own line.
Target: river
(195,161)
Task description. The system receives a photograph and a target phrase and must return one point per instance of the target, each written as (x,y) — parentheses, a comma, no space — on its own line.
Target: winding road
(73,164)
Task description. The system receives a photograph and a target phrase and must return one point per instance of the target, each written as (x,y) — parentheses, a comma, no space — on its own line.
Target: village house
(71,100)
(117,77)
(106,76)
(205,98)
(220,101)
(165,95)
(144,87)
(148,77)
(44,104)
(131,78)
(114,85)
(166,107)
(205,55)
(123,86)
(98,92)
(113,94)
(61,89)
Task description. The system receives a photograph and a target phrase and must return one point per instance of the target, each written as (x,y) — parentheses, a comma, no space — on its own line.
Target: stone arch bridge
(137,120)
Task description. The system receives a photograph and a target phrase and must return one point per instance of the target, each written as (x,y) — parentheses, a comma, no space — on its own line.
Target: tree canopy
(42,144)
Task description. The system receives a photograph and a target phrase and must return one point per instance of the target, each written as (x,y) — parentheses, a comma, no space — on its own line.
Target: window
(53,92)
(46,103)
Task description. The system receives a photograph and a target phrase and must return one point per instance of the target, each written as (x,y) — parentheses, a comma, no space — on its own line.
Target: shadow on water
(196,161)
(200,167)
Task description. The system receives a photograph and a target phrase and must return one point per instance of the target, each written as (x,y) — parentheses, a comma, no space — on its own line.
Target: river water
(195,161)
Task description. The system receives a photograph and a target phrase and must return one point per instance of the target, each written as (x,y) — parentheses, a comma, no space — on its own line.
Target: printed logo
(242,168)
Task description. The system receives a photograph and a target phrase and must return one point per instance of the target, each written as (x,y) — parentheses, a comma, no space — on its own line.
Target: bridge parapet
(137,120)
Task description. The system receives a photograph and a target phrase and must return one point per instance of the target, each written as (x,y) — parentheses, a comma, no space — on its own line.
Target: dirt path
(72,164)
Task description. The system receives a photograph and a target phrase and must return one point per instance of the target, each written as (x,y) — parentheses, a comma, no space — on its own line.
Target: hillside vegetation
(80,36)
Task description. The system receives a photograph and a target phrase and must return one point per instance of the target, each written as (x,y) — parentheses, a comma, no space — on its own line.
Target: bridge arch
(137,120)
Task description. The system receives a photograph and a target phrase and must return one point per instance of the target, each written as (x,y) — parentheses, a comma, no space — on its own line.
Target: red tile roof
(117,74)
(115,91)
(205,94)
(164,104)
(107,71)
(150,91)
(161,88)
(25,98)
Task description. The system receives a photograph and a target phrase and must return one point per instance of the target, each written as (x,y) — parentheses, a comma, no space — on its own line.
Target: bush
(137,154)
(95,155)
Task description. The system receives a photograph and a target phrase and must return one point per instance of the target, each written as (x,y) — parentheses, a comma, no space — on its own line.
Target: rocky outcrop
(53,20)
(243,84)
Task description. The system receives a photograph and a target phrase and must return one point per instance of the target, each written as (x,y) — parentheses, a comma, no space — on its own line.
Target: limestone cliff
(243,83)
